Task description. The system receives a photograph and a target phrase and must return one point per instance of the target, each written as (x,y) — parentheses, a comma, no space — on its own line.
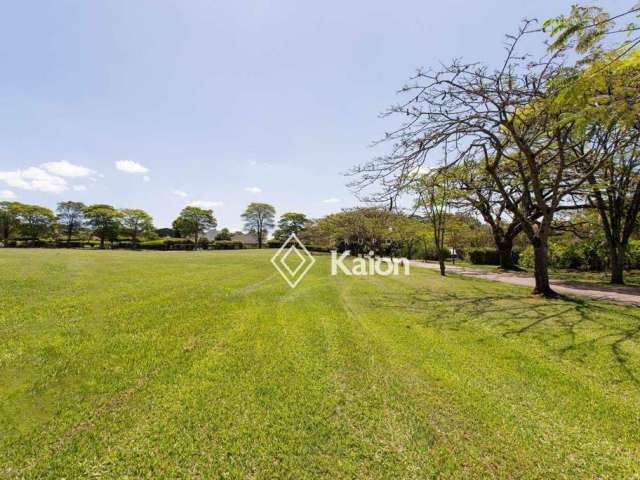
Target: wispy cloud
(67,169)
(180,193)
(253,190)
(7,194)
(35,179)
(129,166)
(331,200)
(204,204)
(79,188)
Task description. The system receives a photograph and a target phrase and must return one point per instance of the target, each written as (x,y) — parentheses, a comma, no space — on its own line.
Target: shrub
(274,244)
(318,248)
(588,255)
(227,245)
(490,256)
(432,254)
(167,244)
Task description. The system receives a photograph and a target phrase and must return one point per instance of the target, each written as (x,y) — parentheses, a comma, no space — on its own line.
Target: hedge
(489,256)
(226,245)
(167,244)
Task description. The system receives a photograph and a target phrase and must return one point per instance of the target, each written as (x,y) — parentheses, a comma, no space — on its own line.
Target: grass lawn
(164,365)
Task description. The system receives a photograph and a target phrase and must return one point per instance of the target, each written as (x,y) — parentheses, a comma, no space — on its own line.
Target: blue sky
(156,104)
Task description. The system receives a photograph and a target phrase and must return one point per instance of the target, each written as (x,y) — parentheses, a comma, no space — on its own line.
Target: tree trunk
(505,249)
(617,254)
(101,242)
(541,273)
(69,231)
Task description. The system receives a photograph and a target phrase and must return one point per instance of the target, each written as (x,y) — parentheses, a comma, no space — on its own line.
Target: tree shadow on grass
(572,328)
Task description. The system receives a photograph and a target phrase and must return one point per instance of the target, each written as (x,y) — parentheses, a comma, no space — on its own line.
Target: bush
(490,256)
(274,244)
(167,244)
(432,254)
(226,245)
(588,255)
(318,248)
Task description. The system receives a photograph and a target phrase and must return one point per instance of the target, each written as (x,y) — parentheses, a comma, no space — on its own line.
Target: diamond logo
(293,260)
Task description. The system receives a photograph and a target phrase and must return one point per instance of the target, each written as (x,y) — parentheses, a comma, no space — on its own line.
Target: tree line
(529,143)
(74,220)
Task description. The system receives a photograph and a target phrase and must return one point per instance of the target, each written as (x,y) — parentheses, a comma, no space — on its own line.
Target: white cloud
(79,188)
(253,189)
(204,204)
(180,193)
(129,166)
(7,194)
(146,179)
(36,179)
(66,169)
(331,200)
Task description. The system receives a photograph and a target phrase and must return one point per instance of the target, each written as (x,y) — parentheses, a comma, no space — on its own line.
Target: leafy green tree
(224,235)
(259,218)
(70,217)
(9,221)
(166,232)
(434,193)
(194,221)
(136,222)
(35,221)
(104,221)
(290,222)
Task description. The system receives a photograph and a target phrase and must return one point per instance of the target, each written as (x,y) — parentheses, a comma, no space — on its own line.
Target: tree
(194,221)
(507,119)
(479,192)
(224,235)
(70,217)
(290,223)
(259,218)
(104,221)
(166,232)
(406,231)
(136,222)
(35,221)
(434,195)
(359,230)
(9,221)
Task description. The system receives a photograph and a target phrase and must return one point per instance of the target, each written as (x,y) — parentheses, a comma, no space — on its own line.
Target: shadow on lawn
(568,326)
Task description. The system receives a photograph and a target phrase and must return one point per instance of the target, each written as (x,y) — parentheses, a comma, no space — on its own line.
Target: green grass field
(207,365)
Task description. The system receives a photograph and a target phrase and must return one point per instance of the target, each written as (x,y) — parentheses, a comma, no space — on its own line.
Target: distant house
(247,239)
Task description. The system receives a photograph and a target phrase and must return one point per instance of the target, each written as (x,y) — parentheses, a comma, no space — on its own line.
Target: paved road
(608,293)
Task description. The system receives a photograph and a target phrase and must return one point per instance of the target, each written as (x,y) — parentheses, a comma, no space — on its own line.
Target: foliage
(289,223)
(70,216)
(259,218)
(224,235)
(136,222)
(226,245)
(104,221)
(194,221)
(35,221)
(489,256)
